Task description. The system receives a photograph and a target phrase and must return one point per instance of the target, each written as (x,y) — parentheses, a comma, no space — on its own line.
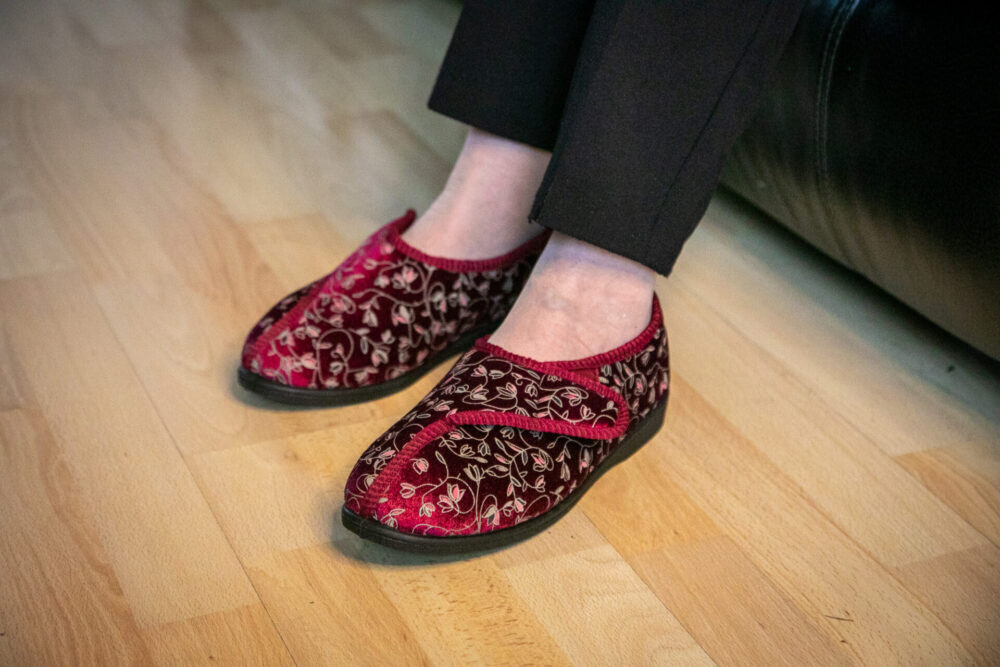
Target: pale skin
(579,301)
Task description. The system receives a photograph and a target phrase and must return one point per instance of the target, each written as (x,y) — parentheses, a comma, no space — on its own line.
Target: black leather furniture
(878,141)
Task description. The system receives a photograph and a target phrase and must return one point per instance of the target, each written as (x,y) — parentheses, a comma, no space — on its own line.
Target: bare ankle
(579,301)
(483,209)
(594,282)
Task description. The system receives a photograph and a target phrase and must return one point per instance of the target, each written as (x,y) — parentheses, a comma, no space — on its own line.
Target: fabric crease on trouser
(639,102)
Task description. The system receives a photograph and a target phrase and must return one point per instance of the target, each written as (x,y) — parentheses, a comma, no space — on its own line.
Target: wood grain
(605,587)
(962,588)
(166,548)
(970,488)
(826,489)
(331,610)
(864,491)
(241,636)
(733,609)
(827,574)
(56,572)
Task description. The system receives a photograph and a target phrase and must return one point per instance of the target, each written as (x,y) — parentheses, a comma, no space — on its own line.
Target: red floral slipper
(503,446)
(380,320)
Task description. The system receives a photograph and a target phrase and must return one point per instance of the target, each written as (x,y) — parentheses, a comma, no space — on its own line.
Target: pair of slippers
(503,445)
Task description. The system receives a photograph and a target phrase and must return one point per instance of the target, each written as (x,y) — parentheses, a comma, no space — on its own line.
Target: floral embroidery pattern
(474,478)
(379,314)
(480,381)
(273,316)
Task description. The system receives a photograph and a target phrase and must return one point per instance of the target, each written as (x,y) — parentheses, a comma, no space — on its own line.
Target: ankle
(579,301)
(577,276)
(469,227)
(483,209)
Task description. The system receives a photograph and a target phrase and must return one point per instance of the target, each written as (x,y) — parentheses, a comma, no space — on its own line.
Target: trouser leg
(657,93)
(509,66)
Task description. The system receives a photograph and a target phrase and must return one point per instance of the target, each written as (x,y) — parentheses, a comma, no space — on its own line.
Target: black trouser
(638,100)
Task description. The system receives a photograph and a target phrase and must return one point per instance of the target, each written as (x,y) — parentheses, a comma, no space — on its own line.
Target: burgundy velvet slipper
(504,445)
(380,320)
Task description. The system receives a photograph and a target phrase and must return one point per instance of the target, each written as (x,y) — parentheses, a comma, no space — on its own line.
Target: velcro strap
(494,387)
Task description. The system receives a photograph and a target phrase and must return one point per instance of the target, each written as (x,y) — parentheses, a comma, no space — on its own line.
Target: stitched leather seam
(841,17)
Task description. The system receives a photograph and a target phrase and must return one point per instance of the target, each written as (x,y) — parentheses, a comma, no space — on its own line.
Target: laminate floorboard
(826,489)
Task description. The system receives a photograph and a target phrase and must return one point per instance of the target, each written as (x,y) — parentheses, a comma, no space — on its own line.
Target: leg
(580,300)
(483,209)
(514,105)
(660,92)
(416,291)
(506,443)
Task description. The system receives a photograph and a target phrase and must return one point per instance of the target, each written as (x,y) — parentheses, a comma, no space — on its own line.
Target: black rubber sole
(282,393)
(372,530)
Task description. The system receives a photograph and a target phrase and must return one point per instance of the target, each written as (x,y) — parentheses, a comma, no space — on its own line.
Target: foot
(503,446)
(483,210)
(378,321)
(579,301)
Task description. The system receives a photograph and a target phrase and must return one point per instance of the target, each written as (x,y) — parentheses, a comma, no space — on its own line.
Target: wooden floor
(826,490)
